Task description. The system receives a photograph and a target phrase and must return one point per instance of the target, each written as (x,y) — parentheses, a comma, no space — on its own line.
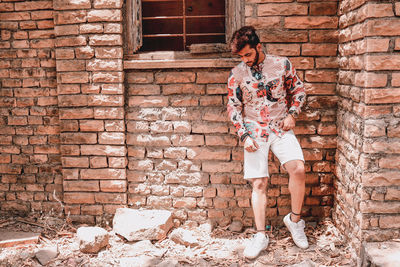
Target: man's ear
(258,47)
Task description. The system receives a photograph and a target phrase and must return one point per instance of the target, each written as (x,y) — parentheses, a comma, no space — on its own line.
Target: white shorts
(285,148)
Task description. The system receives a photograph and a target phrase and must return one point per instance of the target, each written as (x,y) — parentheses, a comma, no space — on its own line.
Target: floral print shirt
(259,97)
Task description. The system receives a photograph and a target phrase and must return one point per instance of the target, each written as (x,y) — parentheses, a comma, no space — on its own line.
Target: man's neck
(262,57)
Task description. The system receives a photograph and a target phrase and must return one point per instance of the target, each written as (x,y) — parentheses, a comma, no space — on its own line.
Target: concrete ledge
(181,63)
(381,254)
(11,239)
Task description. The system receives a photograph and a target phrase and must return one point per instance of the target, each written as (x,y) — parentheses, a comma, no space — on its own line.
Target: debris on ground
(188,245)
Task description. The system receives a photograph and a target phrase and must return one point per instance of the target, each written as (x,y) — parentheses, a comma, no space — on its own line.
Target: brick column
(30,168)
(368,170)
(90,87)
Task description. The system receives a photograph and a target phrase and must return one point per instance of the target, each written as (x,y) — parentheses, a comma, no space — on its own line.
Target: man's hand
(288,123)
(250,144)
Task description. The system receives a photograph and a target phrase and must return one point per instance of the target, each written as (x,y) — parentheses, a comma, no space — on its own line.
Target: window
(174,25)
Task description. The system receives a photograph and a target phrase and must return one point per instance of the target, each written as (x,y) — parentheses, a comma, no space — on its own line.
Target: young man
(259,89)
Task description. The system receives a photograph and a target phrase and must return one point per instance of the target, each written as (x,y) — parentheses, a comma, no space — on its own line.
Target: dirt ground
(216,247)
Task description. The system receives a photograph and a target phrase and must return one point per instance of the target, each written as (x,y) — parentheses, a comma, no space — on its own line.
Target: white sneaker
(297,231)
(258,243)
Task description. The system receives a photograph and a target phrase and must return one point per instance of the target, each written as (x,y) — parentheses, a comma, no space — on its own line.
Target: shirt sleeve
(294,88)
(235,106)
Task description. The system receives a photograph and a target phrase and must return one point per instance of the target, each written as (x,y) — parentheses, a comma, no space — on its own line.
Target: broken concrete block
(145,247)
(45,255)
(92,239)
(381,254)
(11,238)
(137,225)
(184,237)
(236,226)
(141,261)
(305,263)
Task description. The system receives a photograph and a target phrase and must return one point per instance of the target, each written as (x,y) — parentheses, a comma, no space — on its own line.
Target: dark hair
(244,36)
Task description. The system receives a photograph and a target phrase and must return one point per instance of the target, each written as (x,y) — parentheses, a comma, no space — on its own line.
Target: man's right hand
(250,144)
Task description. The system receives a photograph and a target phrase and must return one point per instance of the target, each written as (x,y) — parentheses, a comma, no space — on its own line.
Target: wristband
(243,137)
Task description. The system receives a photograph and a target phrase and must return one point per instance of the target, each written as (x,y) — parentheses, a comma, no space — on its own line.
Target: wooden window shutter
(134,8)
(234,18)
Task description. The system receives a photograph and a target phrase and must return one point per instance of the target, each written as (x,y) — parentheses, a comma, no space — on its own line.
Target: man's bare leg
(259,201)
(297,179)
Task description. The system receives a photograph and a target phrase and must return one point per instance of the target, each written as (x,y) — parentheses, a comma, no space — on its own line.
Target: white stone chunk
(92,239)
(135,225)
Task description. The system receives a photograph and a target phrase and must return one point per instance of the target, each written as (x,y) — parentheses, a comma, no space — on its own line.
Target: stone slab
(12,238)
(382,254)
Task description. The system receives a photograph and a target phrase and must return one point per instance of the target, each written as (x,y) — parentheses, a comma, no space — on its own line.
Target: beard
(256,58)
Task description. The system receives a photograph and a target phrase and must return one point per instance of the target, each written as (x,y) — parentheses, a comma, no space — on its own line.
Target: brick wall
(75,122)
(367,203)
(30,166)
(306,32)
(88,48)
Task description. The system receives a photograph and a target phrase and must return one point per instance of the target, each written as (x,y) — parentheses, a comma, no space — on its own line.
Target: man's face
(250,55)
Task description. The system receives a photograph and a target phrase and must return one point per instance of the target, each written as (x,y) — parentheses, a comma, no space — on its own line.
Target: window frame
(234,19)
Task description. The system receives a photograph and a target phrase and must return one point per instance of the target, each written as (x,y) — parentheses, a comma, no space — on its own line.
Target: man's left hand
(288,123)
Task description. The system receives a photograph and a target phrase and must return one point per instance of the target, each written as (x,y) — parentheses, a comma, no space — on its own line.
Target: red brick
(320,76)
(98,162)
(77,113)
(113,186)
(187,140)
(112,138)
(91,28)
(215,167)
(318,9)
(45,24)
(381,96)
(282,9)
(140,77)
(391,162)
(108,52)
(319,49)
(107,3)
(186,202)
(105,40)
(317,22)
(112,198)
(100,150)
(79,198)
(104,15)
(396,79)
(84,52)
(6,7)
(81,186)
(117,162)
(393,131)
(382,62)
(15,16)
(108,77)
(40,15)
(204,153)
(70,41)
(82,162)
(284,49)
(91,125)
(116,174)
(263,22)
(379,146)
(148,101)
(71,4)
(108,113)
(70,17)
(170,89)
(212,77)
(78,138)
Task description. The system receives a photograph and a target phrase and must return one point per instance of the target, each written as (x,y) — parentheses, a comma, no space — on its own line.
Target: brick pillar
(90,95)
(368,170)
(30,168)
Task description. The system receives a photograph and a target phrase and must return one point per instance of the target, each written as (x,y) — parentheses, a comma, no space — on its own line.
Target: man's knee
(296,168)
(260,184)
